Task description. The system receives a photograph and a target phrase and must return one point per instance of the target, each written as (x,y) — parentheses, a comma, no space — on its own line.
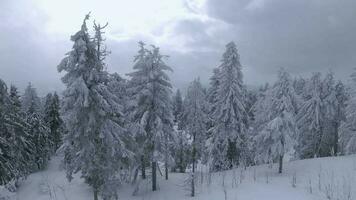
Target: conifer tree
(37,130)
(230,116)
(195,107)
(95,141)
(22,147)
(177,106)
(310,120)
(151,90)
(278,135)
(7,165)
(53,120)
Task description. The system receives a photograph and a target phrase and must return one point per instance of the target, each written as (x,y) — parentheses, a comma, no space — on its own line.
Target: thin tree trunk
(280,164)
(193,169)
(336,139)
(166,166)
(143,167)
(95,194)
(154,175)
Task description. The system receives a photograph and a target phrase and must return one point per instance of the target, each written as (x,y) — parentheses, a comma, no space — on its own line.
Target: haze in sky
(302,36)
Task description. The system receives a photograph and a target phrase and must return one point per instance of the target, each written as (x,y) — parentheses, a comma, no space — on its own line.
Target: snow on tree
(177,106)
(212,95)
(30,100)
(180,151)
(348,128)
(333,97)
(310,120)
(53,120)
(22,147)
(278,136)
(7,167)
(230,116)
(95,143)
(195,107)
(37,130)
(340,114)
(151,90)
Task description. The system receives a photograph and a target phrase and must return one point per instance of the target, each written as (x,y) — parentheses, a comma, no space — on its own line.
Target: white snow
(336,175)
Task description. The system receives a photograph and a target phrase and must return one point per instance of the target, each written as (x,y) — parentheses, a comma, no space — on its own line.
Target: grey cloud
(303,36)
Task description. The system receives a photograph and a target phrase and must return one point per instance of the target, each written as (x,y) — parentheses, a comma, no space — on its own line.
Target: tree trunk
(193,169)
(95,194)
(154,175)
(336,139)
(143,167)
(193,185)
(280,164)
(166,166)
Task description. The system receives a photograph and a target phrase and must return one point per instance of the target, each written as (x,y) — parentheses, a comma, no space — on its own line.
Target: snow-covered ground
(320,178)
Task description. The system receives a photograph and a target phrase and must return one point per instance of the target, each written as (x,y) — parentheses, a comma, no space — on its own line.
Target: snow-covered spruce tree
(348,128)
(30,101)
(212,95)
(333,98)
(95,141)
(195,107)
(7,165)
(310,120)
(22,147)
(278,135)
(37,129)
(230,116)
(53,120)
(177,106)
(151,90)
(180,151)
(340,114)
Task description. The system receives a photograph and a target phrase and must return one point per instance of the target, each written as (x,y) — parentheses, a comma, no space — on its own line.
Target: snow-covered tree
(333,97)
(180,151)
(53,120)
(230,116)
(151,90)
(340,114)
(195,107)
(30,100)
(279,133)
(22,147)
(7,166)
(177,106)
(310,120)
(95,141)
(37,129)
(212,95)
(348,128)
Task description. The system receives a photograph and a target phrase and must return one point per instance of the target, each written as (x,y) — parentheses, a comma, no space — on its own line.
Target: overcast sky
(301,35)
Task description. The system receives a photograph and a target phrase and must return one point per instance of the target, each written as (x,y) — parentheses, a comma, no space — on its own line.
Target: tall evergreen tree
(195,107)
(7,165)
(230,116)
(30,101)
(310,120)
(37,129)
(53,120)
(95,142)
(278,135)
(150,87)
(177,106)
(22,146)
(348,128)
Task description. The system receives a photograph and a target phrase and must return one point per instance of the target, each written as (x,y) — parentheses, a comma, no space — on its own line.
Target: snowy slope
(315,179)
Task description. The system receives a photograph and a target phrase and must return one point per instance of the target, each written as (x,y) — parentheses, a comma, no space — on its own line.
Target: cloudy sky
(301,35)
